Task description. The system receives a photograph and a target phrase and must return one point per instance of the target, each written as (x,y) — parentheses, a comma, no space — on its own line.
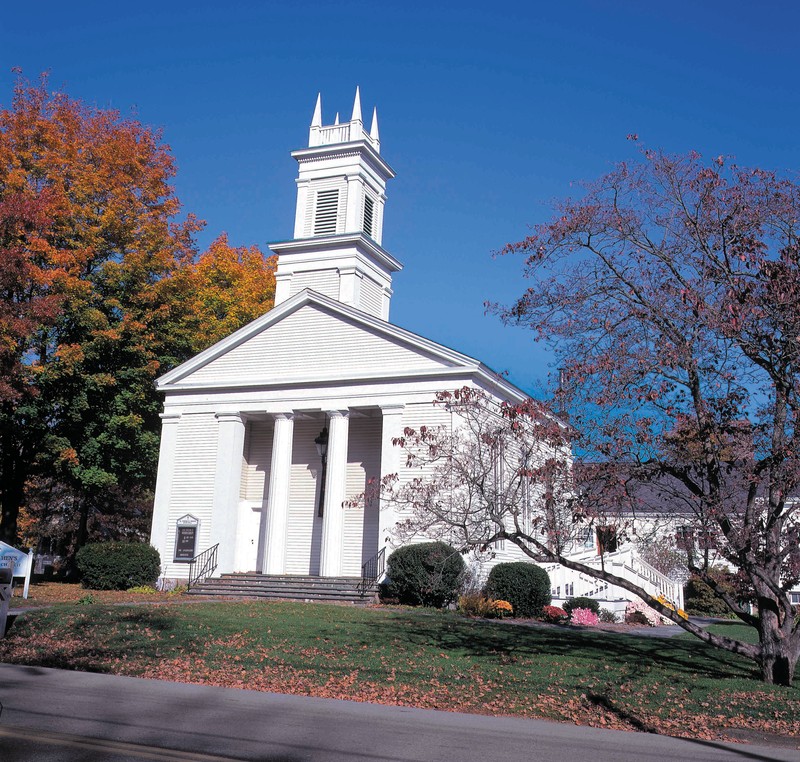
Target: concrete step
(304,588)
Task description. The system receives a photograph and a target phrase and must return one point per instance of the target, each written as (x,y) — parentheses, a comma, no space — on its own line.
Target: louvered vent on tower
(326,212)
(369,209)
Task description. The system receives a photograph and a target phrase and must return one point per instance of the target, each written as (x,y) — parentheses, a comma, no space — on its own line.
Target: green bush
(700,599)
(581,602)
(428,574)
(118,565)
(525,586)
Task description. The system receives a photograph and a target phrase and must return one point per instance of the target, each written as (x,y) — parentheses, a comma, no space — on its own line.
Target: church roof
(312,338)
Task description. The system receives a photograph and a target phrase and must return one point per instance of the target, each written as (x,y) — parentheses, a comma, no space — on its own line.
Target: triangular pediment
(312,338)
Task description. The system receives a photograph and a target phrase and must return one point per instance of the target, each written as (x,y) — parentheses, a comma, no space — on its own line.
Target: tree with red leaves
(670,293)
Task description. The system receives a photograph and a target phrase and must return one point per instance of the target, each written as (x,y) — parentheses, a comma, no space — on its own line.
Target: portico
(279,506)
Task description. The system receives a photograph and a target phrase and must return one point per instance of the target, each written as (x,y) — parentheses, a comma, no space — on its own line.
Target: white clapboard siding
(322,281)
(360,536)
(257,460)
(371,297)
(414,416)
(304,526)
(336,345)
(193,482)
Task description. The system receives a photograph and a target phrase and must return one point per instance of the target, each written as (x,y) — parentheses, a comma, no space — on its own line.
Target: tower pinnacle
(352,131)
(373,130)
(316,120)
(356,107)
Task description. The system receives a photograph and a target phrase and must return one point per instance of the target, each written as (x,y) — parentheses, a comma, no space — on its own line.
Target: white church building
(268,433)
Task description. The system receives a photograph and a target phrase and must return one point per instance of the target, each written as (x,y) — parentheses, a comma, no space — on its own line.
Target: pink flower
(584,616)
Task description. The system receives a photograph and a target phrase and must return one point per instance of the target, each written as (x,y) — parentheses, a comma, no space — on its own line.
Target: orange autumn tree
(227,287)
(102,291)
(88,228)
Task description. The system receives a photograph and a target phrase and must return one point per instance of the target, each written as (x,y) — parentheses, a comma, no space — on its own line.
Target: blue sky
(488,113)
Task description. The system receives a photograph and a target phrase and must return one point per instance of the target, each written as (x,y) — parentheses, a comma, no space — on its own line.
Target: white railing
(669,588)
(624,563)
(340,133)
(337,133)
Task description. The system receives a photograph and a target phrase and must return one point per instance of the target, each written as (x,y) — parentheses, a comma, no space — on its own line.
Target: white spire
(356,107)
(336,121)
(316,120)
(373,131)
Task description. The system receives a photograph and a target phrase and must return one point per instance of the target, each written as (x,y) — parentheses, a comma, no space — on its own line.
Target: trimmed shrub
(700,599)
(581,602)
(118,565)
(428,574)
(525,586)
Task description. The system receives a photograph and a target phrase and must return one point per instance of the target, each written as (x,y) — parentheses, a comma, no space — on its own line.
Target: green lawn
(416,658)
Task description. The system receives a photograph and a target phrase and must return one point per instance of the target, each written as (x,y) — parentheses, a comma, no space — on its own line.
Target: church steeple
(341,193)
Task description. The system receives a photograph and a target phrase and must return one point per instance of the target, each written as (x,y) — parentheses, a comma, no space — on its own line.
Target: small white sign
(21,563)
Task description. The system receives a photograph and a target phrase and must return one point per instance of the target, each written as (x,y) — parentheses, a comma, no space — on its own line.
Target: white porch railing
(341,133)
(624,563)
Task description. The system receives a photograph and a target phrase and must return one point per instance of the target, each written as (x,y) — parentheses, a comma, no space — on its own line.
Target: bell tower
(338,228)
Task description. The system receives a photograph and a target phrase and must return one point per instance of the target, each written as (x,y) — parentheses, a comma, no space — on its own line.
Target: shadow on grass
(604,702)
(506,641)
(98,637)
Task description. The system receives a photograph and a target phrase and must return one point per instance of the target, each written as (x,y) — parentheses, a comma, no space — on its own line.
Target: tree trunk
(780,647)
(777,662)
(12,492)
(81,537)
(9,513)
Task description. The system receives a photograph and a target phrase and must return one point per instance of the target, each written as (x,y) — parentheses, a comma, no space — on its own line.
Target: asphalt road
(58,716)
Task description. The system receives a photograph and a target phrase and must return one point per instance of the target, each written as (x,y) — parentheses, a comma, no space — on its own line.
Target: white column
(280,472)
(355,202)
(166,472)
(330,563)
(283,287)
(380,206)
(302,208)
(227,483)
(387,298)
(390,464)
(350,286)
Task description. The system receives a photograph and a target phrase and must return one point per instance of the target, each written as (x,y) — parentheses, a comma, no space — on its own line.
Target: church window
(583,536)
(369,211)
(684,538)
(326,212)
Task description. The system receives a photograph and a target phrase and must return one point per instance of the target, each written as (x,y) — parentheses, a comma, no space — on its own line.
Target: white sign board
(21,563)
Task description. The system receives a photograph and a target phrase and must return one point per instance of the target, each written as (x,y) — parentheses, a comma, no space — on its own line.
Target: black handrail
(371,571)
(207,561)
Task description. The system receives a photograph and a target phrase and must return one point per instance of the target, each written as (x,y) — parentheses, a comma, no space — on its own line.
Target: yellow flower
(502,607)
